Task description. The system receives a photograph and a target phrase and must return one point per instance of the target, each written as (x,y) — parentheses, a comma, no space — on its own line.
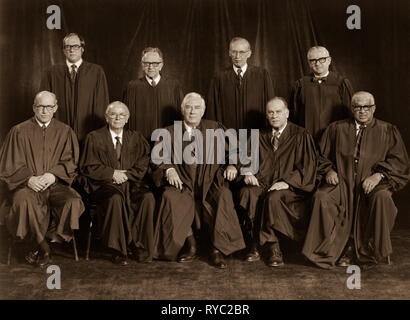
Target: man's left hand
(48,179)
(230,173)
(282,185)
(371,182)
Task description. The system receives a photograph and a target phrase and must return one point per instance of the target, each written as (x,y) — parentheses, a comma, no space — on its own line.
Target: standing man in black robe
(38,163)
(80,86)
(154,96)
(196,196)
(362,162)
(321,97)
(115,161)
(274,199)
(238,95)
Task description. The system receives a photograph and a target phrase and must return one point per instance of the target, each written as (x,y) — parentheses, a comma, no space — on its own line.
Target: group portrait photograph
(184,151)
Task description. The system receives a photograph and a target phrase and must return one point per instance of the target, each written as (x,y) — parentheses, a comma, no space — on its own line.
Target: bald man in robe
(196,202)
(320,97)
(238,95)
(38,163)
(274,199)
(114,162)
(362,162)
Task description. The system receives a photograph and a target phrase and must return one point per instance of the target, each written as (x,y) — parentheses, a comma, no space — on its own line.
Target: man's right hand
(36,184)
(119,176)
(251,179)
(332,178)
(173,178)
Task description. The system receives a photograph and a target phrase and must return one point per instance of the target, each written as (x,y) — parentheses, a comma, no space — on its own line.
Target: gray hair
(115,103)
(152,49)
(235,39)
(41,93)
(82,42)
(283,100)
(190,96)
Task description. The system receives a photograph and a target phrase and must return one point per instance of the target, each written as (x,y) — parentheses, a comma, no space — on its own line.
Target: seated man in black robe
(362,162)
(196,195)
(115,161)
(38,163)
(274,198)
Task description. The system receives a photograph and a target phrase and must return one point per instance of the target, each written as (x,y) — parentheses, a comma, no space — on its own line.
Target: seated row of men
(360,162)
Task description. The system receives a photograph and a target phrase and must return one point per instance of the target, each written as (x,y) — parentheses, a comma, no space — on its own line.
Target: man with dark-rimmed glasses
(80,86)
(362,162)
(38,162)
(321,97)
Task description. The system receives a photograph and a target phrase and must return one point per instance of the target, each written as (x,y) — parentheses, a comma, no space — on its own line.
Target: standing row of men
(195,198)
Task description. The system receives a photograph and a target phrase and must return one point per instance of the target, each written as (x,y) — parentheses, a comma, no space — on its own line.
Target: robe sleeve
(140,167)
(303,176)
(326,161)
(91,165)
(101,96)
(66,168)
(396,165)
(13,166)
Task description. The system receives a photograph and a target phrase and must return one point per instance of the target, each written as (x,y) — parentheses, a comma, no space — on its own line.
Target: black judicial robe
(153,107)
(314,106)
(80,105)
(178,210)
(132,220)
(26,152)
(344,209)
(294,162)
(240,106)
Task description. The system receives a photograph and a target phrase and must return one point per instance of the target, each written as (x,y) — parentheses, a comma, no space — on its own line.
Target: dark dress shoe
(45,260)
(119,259)
(217,259)
(253,254)
(275,258)
(347,258)
(188,252)
(32,257)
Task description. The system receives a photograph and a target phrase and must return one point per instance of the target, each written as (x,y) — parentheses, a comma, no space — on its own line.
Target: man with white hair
(321,97)
(362,162)
(196,201)
(38,163)
(238,95)
(115,161)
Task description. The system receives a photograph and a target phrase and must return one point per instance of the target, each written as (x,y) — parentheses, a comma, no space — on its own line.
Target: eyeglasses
(364,108)
(47,108)
(75,47)
(321,60)
(151,64)
(114,116)
(241,53)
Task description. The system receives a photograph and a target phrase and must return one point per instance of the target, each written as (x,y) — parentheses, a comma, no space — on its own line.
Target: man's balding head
(193,108)
(117,115)
(239,51)
(363,98)
(363,107)
(44,106)
(319,60)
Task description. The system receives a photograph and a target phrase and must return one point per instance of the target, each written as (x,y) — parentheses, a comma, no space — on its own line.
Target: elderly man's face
(193,111)
(117,116)
(73,50)
(319,61)
(277,114)
(44,107)
(363,109)
(239,52)
(151,64)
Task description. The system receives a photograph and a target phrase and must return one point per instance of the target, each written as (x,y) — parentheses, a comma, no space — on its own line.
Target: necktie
(118,147)
(240,76)
(358,142)
(153,83)
(275,140)
(73,72)
(44,129)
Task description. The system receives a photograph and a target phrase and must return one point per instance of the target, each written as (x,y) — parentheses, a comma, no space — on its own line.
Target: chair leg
(388,260)
(87,253)
(75,248)
(9,253)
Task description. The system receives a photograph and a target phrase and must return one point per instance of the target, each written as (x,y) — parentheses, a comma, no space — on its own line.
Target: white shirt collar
(358,126)
(78,64)
(244,68)
(41,124)
(156,79)
(113,135)
(280,130)
(327,73)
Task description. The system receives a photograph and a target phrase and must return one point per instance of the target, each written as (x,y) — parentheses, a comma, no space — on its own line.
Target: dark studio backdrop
(194,36)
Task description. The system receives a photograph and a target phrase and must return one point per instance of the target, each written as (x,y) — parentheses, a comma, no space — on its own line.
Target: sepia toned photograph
(204,155)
